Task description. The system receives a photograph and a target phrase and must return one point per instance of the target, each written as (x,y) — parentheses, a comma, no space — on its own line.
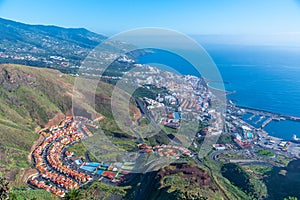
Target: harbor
(273,115)
(275,124)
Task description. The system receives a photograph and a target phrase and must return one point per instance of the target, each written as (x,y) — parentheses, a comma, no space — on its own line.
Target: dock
(269,116)
(251,117)
(266,122)
(260,119)
(273,115)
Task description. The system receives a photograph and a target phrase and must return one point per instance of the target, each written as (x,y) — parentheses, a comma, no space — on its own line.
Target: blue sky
(226,17)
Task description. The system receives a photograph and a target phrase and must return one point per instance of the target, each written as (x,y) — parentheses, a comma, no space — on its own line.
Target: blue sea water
(283,129)
(264,77)
(255,121)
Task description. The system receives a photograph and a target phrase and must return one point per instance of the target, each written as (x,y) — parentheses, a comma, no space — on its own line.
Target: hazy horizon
(269,22)
(291,39)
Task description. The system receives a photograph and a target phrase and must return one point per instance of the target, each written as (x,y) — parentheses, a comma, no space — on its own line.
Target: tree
(4,188)
(73,195)
(13,196)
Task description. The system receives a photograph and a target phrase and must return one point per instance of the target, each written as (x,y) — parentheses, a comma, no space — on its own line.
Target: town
(60,170)
(251,134)
(187,96)
(181,99)
(56,173)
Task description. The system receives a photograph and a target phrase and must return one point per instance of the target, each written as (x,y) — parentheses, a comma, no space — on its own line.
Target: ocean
(263,77)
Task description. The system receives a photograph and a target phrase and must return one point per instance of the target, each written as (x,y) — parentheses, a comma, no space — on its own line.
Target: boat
(295,139)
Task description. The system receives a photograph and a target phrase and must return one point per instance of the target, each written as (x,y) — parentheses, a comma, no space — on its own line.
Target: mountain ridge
(45,45)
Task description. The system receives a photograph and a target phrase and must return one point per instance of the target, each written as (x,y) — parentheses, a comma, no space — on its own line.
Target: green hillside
(29,98)
(26,104)
(46,44)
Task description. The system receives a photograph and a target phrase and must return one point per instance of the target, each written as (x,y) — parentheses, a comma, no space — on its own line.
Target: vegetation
(78,148)
(148,91)
(41,42)
(236,175)
(283,185)
(99,190)
(27,102)
(159,138)
(174,182)
(282,160)
(32,195)
(144,122)
(29,98)
(259,170)
(4,188)
(225,139)
(265,152)
(229,190)
(73,195)
(240,178)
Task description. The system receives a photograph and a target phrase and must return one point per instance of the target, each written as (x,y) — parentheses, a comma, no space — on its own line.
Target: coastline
(275,115)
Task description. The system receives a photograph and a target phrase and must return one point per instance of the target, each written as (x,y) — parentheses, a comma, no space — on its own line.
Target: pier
(275,116)
(260,119)
(269,116)
(266,122)
(251,117)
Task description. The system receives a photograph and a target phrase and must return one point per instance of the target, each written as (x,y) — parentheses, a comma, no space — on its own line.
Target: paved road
(252,160)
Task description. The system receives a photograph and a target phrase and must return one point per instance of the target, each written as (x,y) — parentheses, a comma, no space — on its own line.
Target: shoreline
(292,117)
(289,117)
(273,117)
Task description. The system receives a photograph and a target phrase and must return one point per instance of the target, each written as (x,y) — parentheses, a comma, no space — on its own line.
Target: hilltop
(45,46)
